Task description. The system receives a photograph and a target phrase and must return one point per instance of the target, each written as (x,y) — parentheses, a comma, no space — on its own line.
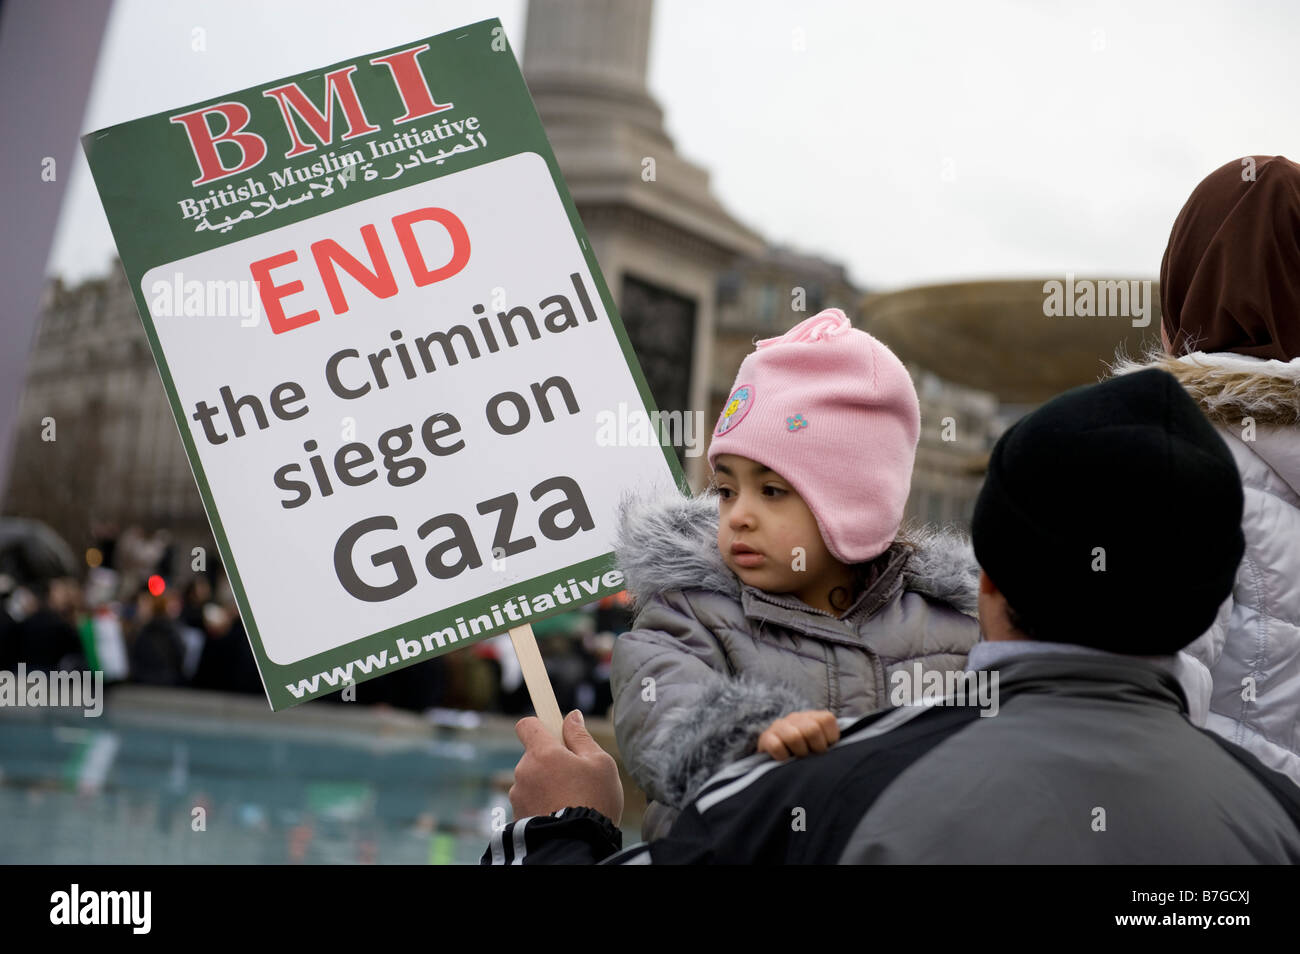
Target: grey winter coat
(710,661)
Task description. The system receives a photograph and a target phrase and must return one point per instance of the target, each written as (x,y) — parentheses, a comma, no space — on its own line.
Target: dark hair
(863,574)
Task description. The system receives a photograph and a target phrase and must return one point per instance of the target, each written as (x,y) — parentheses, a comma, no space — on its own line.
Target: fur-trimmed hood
(667,540)
(1231,388)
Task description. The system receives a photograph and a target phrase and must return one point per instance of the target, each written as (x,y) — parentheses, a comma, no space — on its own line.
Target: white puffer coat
(1245,670)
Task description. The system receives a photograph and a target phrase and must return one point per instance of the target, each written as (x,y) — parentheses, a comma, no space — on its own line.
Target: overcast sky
(914,143)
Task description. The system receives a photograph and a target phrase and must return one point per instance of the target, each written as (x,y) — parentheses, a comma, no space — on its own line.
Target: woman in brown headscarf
(1230,297)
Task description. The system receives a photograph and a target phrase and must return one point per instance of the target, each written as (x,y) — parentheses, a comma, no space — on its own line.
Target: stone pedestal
(649,213)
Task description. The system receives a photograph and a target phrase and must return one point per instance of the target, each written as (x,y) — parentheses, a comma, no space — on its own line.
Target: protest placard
(386,341)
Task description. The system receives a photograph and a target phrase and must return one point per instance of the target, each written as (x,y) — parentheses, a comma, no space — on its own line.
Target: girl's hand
(799,733)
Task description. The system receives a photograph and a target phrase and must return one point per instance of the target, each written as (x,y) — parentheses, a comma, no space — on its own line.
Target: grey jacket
(710,661)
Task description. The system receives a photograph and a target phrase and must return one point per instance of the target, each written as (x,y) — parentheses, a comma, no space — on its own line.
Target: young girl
(788,598)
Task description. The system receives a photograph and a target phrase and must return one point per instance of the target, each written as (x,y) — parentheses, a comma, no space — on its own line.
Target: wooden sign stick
(540,690)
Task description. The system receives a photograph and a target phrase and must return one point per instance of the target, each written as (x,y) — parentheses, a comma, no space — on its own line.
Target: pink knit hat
(834,412)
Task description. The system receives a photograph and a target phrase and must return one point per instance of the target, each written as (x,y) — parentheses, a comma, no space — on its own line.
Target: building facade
(97,448)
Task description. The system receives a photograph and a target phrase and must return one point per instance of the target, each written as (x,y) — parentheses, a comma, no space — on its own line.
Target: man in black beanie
(1084,753)
(1065,528)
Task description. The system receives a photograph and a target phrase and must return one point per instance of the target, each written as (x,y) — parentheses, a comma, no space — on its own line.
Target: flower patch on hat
(796,422)
(737,406)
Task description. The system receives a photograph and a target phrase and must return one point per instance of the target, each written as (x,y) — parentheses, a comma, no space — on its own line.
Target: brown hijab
(1230,278)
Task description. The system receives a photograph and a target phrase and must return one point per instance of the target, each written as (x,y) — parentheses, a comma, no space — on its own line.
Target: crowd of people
(158,629)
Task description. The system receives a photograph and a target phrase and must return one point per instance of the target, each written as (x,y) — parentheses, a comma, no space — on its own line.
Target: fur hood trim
(739,709)
(1228,386)
(667,540)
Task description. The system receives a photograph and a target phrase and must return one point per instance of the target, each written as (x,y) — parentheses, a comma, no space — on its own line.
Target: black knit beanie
(1111,517)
